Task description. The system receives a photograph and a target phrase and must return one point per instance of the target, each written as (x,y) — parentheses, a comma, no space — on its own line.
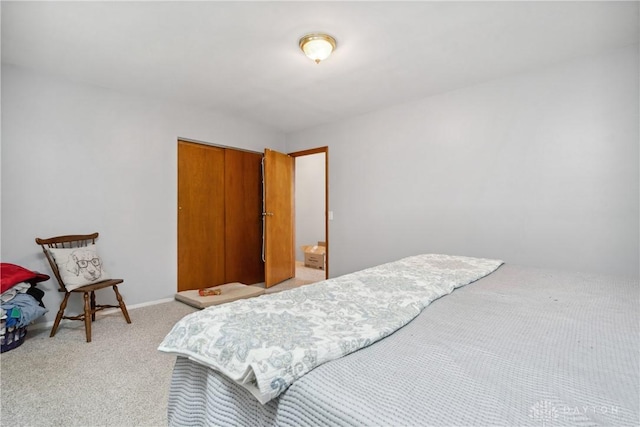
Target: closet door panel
(201,224)
(243,219)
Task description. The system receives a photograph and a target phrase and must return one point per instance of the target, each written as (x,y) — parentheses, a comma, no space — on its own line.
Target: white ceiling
(243,57)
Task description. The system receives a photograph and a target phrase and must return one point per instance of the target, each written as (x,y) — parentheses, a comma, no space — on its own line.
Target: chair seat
(98,285)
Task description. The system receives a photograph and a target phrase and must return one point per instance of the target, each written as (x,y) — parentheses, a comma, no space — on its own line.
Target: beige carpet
(119,379)
(304,276)
(306,273)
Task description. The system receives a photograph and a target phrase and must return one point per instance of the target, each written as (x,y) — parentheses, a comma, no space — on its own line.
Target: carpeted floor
(304,276)
(119,379)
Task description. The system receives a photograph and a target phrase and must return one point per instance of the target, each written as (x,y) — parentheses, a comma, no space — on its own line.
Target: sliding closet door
(243,208)
(201,227)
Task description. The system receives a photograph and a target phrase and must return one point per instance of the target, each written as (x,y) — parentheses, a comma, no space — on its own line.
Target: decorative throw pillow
(79,266)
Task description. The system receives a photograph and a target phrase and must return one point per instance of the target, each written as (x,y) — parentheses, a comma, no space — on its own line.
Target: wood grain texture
(201,227)
(279,204)
(243,220)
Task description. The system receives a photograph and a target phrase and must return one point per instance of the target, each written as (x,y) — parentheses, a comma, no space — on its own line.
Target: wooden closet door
(243,219)
(201,206)
(279,175)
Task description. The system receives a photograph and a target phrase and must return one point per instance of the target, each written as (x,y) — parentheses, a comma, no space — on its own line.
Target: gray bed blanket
(266,343)
(521,346)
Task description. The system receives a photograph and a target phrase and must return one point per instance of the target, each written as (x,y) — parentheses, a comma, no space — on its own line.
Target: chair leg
(121,303)
(87,316)
(93,306)
(63,305)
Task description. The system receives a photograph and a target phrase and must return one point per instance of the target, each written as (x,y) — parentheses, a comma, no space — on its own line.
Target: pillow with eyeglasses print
(79,266)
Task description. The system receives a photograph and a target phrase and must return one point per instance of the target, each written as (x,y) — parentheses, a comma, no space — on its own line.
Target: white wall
(79,159)
(310,200)
(537,169)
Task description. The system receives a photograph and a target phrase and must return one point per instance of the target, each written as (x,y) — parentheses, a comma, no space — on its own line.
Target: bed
(517,346)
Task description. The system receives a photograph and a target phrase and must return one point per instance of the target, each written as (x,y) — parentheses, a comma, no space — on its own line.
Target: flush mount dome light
(317,46)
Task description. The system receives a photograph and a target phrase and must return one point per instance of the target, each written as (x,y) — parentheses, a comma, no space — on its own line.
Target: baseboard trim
(49,324)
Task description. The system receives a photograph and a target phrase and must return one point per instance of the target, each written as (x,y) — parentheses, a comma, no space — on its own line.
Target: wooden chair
(88,291)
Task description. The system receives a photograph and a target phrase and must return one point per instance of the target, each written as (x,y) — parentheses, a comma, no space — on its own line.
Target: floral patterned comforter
(266,343)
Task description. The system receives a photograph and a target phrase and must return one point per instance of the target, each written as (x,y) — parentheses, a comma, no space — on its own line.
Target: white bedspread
(266,343)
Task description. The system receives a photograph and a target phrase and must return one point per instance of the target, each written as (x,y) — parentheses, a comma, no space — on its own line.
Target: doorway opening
(311,214)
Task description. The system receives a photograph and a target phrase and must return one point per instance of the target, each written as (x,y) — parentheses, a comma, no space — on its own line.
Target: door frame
(309,152)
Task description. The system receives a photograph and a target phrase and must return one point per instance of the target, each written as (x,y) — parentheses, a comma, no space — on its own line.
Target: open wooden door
(278,217)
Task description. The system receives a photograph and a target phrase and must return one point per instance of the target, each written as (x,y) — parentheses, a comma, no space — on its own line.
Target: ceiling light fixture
(317,46)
